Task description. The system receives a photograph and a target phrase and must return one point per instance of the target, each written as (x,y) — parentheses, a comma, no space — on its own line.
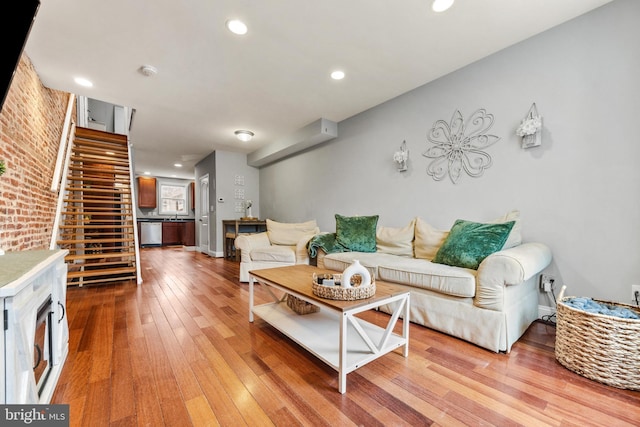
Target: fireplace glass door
(42,350)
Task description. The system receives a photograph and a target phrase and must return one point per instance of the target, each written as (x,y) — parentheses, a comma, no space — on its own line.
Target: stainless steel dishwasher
(150,233)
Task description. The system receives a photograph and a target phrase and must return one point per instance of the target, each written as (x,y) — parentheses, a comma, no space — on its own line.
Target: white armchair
(281,245)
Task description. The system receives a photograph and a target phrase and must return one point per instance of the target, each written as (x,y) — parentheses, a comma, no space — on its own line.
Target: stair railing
(134,213)
(61,190)
(64,140)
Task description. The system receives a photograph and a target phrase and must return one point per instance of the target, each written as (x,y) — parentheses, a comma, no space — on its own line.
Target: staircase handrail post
(134,213)
(62,192)
(64,140)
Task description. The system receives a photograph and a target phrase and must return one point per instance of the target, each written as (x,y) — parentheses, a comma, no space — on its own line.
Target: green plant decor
(3,168)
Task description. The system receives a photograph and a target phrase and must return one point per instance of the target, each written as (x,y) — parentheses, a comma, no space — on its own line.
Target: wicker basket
(301,306)
(344,294)
(599,347)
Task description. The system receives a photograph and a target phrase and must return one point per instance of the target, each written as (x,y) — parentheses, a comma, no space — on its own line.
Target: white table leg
(342,362)
(405,325)
(251,280)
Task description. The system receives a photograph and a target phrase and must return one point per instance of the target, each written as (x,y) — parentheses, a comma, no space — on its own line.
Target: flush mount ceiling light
(236,27)
(244,135)
(337,75)
(178,165)
(148,70)
(441,5)
(83,82)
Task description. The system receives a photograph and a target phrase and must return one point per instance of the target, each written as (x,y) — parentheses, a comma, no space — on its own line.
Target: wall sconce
(401,157)
(530,128)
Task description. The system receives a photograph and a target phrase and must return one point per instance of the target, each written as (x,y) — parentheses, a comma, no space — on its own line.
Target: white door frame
(204,234)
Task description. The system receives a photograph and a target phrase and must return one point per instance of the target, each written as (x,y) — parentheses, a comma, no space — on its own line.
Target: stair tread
(101,272)
(97,228)
(101,280)
(100,255)
(60,242)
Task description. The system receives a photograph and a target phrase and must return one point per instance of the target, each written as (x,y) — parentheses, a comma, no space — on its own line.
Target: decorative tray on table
(329,286)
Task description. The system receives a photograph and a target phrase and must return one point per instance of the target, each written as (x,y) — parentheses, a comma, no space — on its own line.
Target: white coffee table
(334,334)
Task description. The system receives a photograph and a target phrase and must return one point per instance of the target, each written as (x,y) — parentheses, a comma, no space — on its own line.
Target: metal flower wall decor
(459,144)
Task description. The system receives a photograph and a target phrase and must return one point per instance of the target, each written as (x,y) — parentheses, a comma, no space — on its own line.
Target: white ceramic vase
(353,269)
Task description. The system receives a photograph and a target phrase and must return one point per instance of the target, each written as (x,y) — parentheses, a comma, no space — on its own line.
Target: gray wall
(228,166)
(223,167)
(579,192)
(202,168)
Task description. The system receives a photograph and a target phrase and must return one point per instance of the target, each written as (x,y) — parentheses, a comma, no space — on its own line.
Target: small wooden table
(334,334)
(232,227)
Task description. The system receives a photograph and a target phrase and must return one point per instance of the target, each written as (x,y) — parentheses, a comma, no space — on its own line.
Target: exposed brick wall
(31,124)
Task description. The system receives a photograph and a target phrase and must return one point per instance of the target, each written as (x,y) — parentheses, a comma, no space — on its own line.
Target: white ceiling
(275,79)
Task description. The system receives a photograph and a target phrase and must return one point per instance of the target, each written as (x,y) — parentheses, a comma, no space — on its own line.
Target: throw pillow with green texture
(468,243)
(357,233)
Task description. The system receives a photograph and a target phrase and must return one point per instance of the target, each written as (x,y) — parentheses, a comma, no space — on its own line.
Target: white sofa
(490,307)
(281,245)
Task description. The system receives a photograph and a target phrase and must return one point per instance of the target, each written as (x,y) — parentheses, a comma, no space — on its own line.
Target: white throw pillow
(428,240)
(515,237)
(283,233)
(396,241)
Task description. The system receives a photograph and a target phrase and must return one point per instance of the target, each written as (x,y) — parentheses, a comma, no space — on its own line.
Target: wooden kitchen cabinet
(172,233)
(147,194)
(189,233)
(179,233)
(192,191)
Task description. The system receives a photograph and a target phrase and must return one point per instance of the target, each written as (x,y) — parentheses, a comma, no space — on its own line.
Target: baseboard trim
(544,310)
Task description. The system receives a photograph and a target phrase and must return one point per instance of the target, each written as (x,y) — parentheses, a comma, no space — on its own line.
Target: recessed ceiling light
(147,173)
(337,75)
(83,82)
(441,5)
(110,153)
(178,165)
(244,135)
(236,27)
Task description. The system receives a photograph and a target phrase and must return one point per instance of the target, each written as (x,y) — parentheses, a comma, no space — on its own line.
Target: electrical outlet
(546,282)
(634,289)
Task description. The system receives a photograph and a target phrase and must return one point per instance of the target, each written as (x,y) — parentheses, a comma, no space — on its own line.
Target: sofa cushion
(396,241)
(357,233)
(340,260)
(420,273)
(409,271)
(427,240)
(275,253)
(283,233)
(468,243)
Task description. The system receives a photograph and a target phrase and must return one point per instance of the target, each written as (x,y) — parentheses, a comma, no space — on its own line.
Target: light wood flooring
(178,350)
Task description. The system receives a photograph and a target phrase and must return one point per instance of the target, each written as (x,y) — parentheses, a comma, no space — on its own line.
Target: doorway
(203,214)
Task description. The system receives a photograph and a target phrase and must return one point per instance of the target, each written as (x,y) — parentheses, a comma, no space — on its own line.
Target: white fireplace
(36,331)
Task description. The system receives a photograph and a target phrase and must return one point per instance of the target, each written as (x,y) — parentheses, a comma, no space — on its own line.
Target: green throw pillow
(469,243)
(357,233)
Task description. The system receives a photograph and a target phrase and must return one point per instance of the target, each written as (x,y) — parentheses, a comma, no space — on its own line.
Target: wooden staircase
(97,223)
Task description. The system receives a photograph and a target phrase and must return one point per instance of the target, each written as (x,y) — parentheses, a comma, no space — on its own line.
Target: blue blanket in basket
(591,306)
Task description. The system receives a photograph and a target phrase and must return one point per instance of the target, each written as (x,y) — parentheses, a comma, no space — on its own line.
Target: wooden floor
(178,350)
